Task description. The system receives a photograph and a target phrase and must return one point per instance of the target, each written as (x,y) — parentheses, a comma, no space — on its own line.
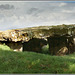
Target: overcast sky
(28,14)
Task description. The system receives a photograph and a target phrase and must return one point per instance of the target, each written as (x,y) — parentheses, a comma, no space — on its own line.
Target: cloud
(29,14)
(6,7)
(32,10)
(67,11)
(62,4)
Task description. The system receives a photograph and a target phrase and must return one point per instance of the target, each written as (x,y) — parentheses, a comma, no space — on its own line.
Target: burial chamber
(33,39)
(34,45)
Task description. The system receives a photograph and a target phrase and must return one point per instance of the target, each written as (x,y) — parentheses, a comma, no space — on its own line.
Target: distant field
(31,62)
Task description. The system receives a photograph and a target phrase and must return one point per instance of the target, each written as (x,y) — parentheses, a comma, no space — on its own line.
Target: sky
(22,14)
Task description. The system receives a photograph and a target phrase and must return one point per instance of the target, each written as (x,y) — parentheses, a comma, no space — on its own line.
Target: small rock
(62,51)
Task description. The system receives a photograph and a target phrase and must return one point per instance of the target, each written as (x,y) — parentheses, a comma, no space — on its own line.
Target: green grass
(30,62)
(45,49)
(4,47)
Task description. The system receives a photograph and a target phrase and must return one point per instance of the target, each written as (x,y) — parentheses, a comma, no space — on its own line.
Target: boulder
(62,51)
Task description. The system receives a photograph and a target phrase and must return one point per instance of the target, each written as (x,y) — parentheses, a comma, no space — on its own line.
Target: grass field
(30,62)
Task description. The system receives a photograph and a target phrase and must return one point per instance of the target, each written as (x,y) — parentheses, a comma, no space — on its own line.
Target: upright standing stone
(56,43)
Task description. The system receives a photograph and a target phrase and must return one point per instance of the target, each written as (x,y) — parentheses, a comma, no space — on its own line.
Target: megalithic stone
(41,32)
